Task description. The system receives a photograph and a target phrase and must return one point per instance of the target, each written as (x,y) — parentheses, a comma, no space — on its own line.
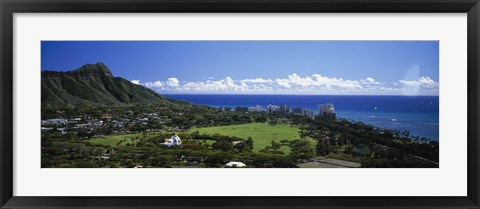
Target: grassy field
(261,133)
(112,140)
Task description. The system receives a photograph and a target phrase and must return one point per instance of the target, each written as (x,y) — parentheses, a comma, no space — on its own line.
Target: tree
(223,145)
(82,134)
(275,145)
(249,143)
(323,147)
(272,121)
(217,159)
(406,133)
(261,119)
(302,149)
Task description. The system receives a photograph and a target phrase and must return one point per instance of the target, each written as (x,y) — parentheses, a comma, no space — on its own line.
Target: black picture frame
(9,7)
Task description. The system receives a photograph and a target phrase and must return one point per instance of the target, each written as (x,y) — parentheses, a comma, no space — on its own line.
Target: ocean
(417,114)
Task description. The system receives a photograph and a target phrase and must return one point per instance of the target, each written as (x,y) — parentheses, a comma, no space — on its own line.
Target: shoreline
(417,123)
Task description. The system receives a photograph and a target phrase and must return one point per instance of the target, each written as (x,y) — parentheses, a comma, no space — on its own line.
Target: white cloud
(422,82)
(257,80)
(369,80)
(225,85)
(172,82)
(154,84)
(295,84)
(135,82)
(316,80)
(283,83)
(422,86)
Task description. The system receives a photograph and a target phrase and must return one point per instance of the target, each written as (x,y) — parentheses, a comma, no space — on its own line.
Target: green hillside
(95,85)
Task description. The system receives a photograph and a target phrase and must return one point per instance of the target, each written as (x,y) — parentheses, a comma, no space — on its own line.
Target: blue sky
(256,67)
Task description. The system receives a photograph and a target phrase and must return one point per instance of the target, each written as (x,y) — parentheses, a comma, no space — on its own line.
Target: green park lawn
(112,140)
(262,133)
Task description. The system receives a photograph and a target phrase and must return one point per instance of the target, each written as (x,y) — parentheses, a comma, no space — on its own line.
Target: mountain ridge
(95,85)
(97,69)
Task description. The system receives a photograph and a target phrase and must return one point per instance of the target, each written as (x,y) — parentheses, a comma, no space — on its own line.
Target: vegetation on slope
(94,85)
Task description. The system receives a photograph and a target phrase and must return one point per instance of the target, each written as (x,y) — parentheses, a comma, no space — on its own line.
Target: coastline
(417,114)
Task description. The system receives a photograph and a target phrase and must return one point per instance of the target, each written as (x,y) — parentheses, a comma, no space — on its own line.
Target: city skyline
(260,67)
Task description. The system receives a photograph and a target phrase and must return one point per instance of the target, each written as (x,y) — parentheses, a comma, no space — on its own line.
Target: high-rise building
(297,110)
(330,108)
(272,108)
(309,113)
(322,109)
(327,111)
(284,109)
(257,108)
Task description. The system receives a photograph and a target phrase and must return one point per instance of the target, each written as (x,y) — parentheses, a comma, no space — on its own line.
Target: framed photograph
(239,104)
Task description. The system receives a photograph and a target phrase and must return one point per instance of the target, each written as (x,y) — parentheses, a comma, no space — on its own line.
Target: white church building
(175,140)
